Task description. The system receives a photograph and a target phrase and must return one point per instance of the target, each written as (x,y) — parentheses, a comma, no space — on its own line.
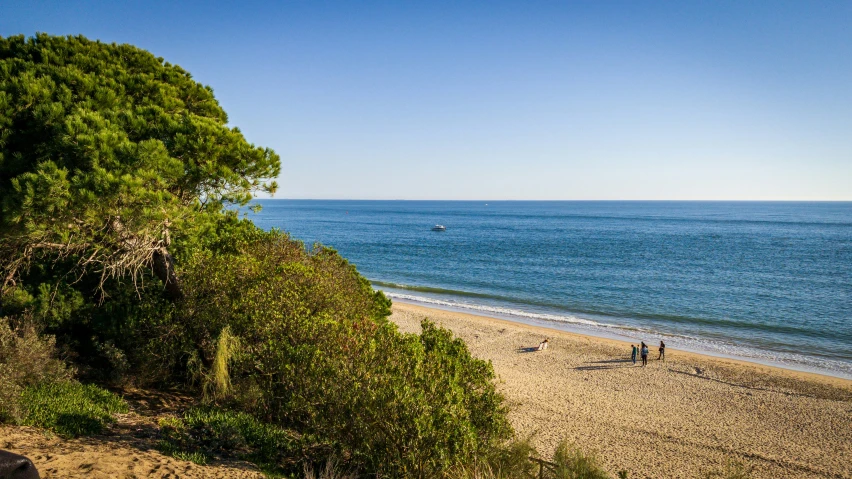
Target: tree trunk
(164,268)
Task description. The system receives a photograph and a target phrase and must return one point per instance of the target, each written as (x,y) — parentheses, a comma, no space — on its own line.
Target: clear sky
(736,100)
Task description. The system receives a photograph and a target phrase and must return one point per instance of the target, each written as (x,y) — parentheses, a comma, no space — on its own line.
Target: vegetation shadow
(140,429)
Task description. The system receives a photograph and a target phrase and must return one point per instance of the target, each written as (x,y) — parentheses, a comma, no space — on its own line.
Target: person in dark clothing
(662,351)
(644,352)
(633,353)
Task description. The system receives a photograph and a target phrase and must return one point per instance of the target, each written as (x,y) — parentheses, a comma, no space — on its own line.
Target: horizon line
(563,200)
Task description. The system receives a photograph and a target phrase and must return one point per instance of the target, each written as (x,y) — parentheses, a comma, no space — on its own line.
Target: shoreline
(577,329)
(682,417)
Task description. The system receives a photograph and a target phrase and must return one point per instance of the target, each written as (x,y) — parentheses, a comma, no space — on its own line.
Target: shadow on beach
(608,364)
(527,350)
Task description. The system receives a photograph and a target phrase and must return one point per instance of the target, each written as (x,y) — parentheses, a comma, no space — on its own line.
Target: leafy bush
(26,359)
(123,160)
(317,355)
(70,409)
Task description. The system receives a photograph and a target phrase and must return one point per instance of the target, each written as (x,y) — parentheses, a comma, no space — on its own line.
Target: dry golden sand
(677,418)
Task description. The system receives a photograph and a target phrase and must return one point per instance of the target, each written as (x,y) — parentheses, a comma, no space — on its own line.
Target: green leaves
(126,149)
(110,158)
(318,355)
(69,408)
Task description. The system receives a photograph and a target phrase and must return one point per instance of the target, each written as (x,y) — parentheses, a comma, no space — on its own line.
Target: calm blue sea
(770,282)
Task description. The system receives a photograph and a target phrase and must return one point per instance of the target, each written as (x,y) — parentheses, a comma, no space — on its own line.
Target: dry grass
(330,471)
(217,383)
(26,359)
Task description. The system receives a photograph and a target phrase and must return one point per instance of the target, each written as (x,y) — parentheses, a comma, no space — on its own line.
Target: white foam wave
(495,309)
(678,341)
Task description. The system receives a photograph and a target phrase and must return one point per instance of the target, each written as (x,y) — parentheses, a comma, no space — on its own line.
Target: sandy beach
(678,418)
(674,419)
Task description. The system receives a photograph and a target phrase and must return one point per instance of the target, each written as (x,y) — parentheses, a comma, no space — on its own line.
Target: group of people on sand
(642,349)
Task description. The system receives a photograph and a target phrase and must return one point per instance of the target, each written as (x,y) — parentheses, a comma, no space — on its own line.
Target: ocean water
(768,282)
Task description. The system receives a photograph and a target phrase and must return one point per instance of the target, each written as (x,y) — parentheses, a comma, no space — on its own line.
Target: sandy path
(126,450)
(678,418)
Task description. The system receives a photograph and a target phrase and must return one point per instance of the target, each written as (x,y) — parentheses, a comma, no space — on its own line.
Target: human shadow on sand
(609,364)
(527,350)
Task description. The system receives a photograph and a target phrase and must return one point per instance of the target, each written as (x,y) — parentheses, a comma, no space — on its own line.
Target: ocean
(769,282)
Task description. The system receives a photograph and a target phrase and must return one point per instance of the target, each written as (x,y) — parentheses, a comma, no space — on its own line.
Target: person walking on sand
(644,354)
(633,353)
(662,351)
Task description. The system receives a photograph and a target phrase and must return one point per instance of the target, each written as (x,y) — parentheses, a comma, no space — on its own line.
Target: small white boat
(439,228)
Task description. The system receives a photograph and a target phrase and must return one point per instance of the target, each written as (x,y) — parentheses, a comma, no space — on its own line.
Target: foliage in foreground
(512,461)
(27,359)
(70,409)
(572,463)
(117,171)
(205,432)
(329,471)
(308,347)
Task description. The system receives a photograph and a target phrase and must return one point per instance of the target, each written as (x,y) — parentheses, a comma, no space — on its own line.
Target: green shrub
(317,355)
(205,432)
(26,359)
(70,409)
(572,463)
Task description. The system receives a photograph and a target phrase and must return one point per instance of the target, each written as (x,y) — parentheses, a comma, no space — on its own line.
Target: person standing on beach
(662,351)
(644,354)
(633,353)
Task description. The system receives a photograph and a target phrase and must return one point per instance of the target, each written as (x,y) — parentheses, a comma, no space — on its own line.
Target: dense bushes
(292,339)
(315,354)
(118,236)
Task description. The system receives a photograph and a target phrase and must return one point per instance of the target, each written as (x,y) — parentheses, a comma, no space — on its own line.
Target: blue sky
(513,100)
